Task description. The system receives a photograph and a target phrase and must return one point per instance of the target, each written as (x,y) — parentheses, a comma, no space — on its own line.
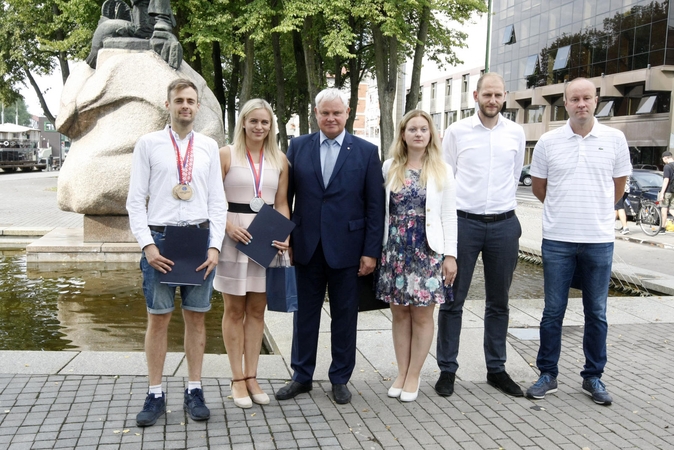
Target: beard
(486,113)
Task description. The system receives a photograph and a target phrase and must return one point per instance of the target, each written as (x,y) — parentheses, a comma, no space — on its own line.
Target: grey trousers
(499,244)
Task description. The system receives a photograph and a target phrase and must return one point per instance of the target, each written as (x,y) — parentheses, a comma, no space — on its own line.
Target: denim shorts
(160,298)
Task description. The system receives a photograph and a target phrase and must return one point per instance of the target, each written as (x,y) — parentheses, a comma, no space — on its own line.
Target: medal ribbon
(185,165)
(257,177)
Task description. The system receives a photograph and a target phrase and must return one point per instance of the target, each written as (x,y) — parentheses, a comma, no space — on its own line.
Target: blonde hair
(272,153)
(433,166)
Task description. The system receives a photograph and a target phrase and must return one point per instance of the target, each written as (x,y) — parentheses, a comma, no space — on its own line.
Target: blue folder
(268,225)
(187,247)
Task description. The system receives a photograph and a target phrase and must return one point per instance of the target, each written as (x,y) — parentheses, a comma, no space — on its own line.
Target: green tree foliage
(38,36)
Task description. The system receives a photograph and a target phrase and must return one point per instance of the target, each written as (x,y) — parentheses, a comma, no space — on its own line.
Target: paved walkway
(88,400)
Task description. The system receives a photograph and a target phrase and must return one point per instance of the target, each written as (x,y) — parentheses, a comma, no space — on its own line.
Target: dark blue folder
(187,247)
(268,225)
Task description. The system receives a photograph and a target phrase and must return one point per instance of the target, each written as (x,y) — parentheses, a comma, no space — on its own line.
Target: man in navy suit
(336,182)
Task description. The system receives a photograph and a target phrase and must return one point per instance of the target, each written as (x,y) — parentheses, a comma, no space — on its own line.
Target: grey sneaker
(597,390)
(546,384)
(625,231)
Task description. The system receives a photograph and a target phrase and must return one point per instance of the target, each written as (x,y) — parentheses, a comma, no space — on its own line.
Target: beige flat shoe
(259,399)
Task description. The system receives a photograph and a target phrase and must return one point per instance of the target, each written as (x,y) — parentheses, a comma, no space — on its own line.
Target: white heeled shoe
(241,402)
(259,399)
(394,392)
(410,396)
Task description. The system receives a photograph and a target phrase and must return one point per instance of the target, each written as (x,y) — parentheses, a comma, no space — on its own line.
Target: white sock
(156,390)
(193,385)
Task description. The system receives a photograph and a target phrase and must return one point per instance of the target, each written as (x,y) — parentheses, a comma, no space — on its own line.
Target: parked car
(645,166)
(643,184)
(525,178)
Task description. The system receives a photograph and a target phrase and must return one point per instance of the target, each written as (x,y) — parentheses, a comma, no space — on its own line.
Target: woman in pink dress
(255,171)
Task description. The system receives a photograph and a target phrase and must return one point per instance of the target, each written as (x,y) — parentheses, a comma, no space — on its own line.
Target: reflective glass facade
(549,42)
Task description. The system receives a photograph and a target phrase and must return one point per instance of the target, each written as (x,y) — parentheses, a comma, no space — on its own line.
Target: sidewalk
(88,400)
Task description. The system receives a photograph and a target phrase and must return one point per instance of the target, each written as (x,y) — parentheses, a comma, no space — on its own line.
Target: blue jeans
(589,265)
(160,297)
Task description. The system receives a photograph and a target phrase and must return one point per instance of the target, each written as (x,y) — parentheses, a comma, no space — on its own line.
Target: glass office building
(625,47)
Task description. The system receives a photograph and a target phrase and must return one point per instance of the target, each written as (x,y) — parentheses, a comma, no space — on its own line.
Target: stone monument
(110,101)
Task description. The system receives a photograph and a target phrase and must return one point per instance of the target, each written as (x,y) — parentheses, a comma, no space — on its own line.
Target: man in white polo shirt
(578,172)
(486,152)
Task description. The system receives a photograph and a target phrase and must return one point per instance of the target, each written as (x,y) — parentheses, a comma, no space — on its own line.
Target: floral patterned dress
(410,273)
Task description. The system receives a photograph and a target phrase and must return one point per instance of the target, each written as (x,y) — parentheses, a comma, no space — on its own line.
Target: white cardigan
(440,213)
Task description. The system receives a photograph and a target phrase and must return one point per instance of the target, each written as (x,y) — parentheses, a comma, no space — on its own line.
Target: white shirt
(487,163)
(580,191)
(154,174)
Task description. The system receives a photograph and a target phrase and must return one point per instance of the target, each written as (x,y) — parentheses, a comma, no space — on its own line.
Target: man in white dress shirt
(486,152)
(176,180)
(578,172)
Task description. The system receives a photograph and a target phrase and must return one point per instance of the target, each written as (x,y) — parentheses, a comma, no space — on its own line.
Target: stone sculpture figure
(149,25)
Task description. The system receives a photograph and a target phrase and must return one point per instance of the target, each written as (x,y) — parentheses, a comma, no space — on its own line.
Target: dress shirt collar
(176,136)
(339,138)
(477,122)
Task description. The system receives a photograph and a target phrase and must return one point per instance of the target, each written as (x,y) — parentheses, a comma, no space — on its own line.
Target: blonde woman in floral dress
(418,261)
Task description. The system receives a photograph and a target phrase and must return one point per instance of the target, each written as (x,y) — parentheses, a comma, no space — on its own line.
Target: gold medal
(183,192)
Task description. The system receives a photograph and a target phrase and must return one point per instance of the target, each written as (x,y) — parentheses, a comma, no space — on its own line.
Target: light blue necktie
(331,152)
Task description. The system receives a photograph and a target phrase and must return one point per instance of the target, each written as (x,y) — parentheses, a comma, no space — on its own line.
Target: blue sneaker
(597,390)
(153,408)
(195,405)
(546,384)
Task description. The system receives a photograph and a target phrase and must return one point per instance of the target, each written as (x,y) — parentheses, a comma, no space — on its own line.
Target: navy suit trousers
(342,286)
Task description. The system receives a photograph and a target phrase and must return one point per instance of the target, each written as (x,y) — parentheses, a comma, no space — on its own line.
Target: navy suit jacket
(347,217)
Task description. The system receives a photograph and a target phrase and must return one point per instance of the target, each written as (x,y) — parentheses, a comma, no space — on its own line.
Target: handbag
(367,296)
(281,287)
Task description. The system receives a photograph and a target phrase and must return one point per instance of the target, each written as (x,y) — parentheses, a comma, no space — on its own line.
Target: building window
(467,112)
(509,35)
(434,89)
(534,114)
(557,110)
(562,58)
(605,108)
(530,68)
(48,126)
(448,87)
(646,105)
(510,114)
(450,117)
(437,120)
(464,83)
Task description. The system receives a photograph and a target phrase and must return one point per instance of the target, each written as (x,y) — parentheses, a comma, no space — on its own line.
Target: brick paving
(93,412)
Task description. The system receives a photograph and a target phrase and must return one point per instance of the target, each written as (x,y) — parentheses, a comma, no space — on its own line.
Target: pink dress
(235,273)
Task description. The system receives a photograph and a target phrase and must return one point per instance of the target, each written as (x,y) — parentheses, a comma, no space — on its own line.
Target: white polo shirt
(580,192)
(487,163)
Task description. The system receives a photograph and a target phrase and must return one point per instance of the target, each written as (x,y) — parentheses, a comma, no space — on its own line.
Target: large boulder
(104,112)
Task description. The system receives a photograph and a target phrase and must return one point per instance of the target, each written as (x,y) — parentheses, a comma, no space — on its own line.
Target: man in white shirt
(486,152)
(176,180)
(578,172)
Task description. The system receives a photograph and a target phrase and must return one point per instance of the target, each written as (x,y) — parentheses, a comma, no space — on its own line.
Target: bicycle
(648,217)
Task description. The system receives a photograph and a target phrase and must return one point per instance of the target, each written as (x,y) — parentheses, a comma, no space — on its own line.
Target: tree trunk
(218,79)
(248,70)
(280,90)
(231,96)
(313,68)
(50,117)
(386,69)
(303,100)
(412,97)
(61,56)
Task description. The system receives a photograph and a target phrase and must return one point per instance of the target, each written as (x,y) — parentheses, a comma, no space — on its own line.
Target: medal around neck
(256,204)
(183,192)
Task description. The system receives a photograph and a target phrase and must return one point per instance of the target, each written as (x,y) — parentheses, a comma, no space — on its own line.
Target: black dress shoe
(504,383)
(341,393)
(292,390)
(445,384)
